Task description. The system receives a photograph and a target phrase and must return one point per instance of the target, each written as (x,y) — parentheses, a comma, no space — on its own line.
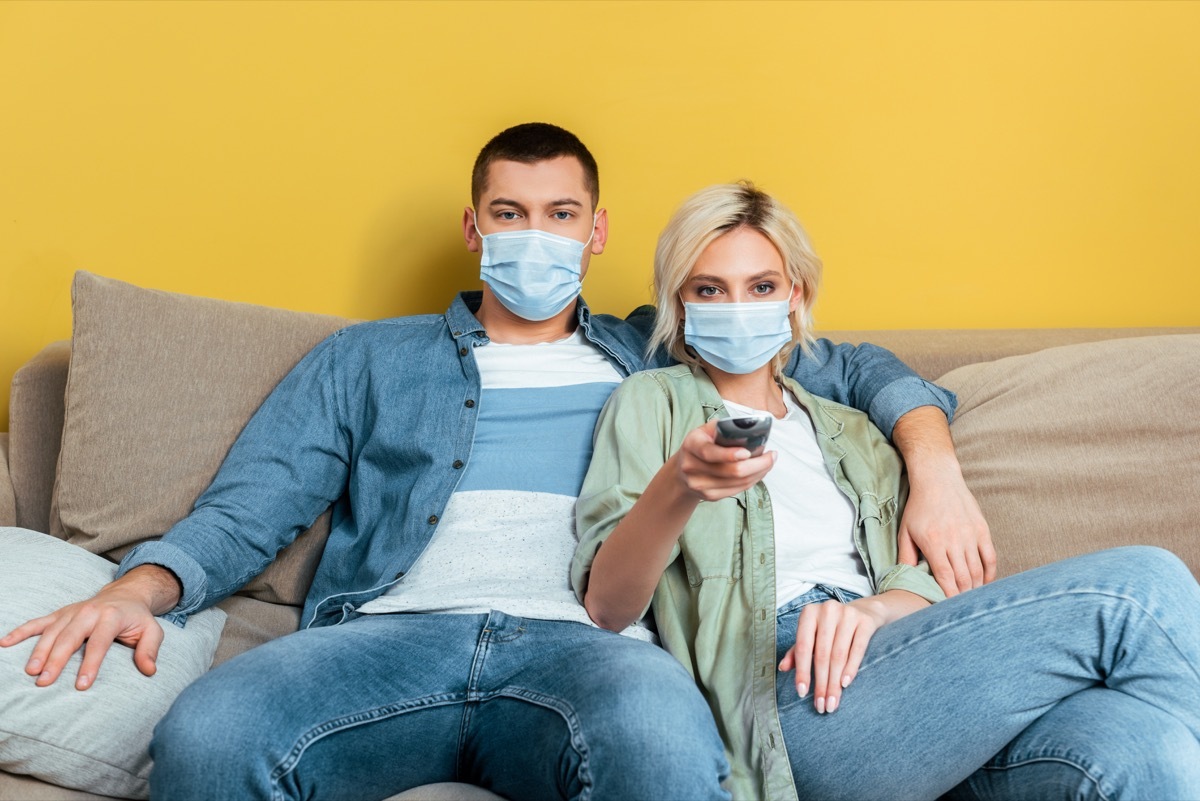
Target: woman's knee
(1100,744)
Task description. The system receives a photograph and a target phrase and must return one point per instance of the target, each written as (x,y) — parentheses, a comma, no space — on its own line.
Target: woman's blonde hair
(699,220)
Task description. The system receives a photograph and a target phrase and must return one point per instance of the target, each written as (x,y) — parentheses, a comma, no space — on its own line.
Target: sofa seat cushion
(1084,447)
(95,740)
(159,387)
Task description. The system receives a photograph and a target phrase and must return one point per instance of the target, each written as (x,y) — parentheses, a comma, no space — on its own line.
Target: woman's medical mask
(535,274)
(738,338)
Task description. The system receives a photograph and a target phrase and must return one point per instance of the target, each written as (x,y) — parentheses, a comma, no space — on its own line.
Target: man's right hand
(122,611)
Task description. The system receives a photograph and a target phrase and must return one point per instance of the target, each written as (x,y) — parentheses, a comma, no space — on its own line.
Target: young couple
(441,639)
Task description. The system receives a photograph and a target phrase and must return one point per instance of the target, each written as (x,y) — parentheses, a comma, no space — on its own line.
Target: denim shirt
(378,421)
(715,602)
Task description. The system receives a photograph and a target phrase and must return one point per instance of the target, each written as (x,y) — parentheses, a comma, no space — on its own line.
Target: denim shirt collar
(461,319)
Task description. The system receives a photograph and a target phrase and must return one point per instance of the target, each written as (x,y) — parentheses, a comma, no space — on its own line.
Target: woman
(774,578)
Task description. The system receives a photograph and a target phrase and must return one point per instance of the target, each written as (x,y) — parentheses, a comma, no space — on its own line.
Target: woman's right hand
(710,472)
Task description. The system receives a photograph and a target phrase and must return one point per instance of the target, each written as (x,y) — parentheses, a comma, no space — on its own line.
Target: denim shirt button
(458,463)
(470,404)
(433,519)
(462,351)
(400,575)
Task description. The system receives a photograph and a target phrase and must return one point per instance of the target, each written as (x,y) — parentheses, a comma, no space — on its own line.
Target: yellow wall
(958,164)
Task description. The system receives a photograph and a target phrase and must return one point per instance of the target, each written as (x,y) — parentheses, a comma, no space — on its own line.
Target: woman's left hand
(831,639)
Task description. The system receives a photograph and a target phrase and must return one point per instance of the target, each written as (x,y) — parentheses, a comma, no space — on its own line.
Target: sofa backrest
(112,441)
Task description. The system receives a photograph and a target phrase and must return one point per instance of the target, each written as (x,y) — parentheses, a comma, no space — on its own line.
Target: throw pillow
(1084,447)
(160,385)
(95,740)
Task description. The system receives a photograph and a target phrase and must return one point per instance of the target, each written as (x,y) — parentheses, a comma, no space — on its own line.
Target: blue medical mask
(535,274)
(738,338)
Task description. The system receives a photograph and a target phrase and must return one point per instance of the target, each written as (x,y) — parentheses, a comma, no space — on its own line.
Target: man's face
(551,196)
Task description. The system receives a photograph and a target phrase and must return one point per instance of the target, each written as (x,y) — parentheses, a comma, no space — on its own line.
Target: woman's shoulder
(837,418)
(666,381)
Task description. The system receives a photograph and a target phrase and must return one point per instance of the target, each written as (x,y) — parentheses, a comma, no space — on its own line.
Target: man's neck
(506,328)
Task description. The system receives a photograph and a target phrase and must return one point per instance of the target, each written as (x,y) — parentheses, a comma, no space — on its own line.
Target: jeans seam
(1025,602)
(569,717)
(296,752)
(1060,759)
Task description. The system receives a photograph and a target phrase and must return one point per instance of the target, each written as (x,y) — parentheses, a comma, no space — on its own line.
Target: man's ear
(469,233)
(600,236)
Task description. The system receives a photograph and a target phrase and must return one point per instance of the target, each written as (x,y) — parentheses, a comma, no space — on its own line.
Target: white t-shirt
(507,536)
(814,520)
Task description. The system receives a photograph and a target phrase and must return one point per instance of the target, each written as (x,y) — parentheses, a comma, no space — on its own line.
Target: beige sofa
(1072,440)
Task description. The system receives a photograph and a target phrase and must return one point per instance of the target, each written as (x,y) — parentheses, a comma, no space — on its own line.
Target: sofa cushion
(94,740)
(159,387)
(1079,448)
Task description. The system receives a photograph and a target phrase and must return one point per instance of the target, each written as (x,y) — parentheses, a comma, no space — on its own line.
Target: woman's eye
(706,291)
(764,289)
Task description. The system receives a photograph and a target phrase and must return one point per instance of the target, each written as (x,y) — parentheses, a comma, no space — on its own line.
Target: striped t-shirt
(507,536)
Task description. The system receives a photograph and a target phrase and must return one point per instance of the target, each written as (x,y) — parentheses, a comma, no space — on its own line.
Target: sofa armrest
(35,423)
(8,501)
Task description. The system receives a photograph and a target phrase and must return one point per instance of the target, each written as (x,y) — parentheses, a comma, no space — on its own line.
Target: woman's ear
(796,299)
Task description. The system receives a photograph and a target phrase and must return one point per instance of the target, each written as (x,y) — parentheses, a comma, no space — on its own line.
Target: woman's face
(741,266)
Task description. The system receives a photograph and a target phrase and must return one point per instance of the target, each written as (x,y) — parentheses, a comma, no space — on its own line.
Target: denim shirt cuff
(905,394)
(185,568)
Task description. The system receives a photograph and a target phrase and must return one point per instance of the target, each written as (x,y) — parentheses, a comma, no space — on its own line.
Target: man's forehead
(537,182)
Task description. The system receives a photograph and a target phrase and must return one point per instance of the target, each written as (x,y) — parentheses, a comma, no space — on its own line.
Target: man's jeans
(1076,680)
(530,709)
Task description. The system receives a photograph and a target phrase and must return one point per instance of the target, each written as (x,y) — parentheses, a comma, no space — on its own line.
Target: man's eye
(507,215)
(562,215)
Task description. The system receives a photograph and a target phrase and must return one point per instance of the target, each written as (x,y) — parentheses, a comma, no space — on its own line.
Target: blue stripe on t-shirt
(535,440)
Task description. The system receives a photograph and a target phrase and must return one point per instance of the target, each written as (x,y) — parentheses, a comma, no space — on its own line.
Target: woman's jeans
(1080,679)
(530,709)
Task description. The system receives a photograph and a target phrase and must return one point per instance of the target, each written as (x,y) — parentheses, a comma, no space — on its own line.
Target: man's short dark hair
(531,142)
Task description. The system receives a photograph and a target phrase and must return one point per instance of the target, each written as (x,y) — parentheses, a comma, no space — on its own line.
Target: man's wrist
(158,586)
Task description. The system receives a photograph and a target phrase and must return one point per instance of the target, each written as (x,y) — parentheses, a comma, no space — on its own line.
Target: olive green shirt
(715,603)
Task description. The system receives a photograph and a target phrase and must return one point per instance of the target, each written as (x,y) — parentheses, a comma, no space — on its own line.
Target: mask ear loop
(592,235)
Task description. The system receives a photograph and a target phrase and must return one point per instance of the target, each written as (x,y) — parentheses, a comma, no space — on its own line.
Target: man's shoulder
(393,328)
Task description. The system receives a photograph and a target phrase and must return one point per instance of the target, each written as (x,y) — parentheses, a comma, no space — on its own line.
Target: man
(461,656)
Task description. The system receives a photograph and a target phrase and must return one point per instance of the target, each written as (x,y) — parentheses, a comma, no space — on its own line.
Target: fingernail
(833,703)
(84,681)
(802,690)
(821,706)
(35,664)
(44,676)
(845,682)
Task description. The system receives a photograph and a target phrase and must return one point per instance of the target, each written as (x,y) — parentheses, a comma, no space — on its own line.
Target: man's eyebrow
(503,201)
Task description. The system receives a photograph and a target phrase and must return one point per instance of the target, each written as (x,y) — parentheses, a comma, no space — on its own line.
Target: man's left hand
(943,521)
